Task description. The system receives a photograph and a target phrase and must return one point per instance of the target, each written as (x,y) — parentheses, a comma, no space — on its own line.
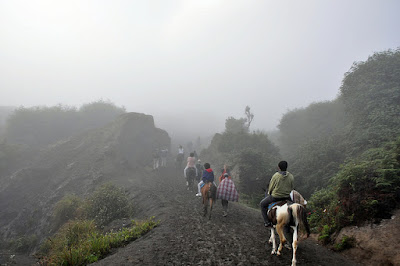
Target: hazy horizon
(192,63)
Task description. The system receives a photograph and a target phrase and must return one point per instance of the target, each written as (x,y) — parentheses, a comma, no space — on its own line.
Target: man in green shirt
(279,189)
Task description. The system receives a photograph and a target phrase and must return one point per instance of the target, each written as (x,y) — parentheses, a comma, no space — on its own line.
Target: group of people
(280,186)
(226,190)
(160,158)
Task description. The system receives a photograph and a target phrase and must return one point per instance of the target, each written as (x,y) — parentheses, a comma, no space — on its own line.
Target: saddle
(271,212)
(279,203)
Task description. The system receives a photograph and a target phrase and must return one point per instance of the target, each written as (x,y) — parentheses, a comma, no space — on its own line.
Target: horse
(178,161)
(208,192)
(191,176)
(287,214)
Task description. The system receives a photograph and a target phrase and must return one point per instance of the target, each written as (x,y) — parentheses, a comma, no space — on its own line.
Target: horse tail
(212,192)
(302,216)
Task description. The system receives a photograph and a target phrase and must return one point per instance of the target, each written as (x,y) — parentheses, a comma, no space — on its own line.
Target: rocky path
(185,237)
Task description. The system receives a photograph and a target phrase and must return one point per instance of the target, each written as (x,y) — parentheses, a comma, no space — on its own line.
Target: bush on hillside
(366,189)
(66,209)
(108,203)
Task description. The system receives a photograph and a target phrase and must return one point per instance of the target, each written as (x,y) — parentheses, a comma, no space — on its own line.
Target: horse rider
(156,158)
(164,153)
(181,154)
(279,189)
(200,169)
(180,150)
(191,163)
(208,176)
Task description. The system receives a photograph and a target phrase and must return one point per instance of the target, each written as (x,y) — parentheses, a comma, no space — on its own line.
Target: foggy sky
(199,61)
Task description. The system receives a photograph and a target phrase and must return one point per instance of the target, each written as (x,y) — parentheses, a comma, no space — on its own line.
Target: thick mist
(190,64)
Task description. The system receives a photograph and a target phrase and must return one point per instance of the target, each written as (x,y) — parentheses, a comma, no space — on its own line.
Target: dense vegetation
(28,129)
(345,153)
(37,127)
(252,156)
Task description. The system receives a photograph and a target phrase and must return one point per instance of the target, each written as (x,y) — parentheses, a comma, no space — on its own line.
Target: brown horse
(284,214)
(209,192)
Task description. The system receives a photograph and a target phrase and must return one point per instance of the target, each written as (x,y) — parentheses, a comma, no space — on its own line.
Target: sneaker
(198,195)
(224,214)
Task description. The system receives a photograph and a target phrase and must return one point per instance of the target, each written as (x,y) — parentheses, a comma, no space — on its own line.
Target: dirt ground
(376,244)
(185,237)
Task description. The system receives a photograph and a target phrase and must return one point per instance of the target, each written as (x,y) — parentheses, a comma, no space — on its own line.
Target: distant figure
(191,163)
(164,153)
(181,151)
(179,158)
(156,159)
(200,169)
(225,170)
(195,155)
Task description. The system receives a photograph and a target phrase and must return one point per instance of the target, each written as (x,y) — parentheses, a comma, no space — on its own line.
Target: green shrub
(66,209)
(345,243)
(108,203)
(80,242)
(363,190)
(23,243)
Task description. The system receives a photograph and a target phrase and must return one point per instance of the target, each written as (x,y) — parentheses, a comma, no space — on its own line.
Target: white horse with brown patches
(284,214)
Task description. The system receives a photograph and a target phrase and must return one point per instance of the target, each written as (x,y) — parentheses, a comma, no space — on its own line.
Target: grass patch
(80,242)
(346,243)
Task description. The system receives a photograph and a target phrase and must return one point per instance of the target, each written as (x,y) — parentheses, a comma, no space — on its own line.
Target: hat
(199,160)
(226,174)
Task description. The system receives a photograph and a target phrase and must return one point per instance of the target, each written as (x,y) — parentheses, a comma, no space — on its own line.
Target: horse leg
(272,240)
(279,229)
(294,244)
(211,205)
(205,208)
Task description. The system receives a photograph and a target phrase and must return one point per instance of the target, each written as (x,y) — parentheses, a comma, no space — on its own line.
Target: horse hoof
(278,253)
(273,252)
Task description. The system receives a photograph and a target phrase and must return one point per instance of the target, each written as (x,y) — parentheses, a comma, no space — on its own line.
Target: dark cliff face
(76,166)
(138,138)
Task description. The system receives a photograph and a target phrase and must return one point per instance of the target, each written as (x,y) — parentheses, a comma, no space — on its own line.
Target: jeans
(267,201)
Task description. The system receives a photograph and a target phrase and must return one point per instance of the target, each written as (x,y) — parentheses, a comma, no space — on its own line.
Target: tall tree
(249,117)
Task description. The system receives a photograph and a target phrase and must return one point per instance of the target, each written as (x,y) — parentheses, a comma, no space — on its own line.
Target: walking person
(200,169)
(226,191)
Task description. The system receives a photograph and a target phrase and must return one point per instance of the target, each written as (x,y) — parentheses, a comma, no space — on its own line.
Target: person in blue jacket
(208,176)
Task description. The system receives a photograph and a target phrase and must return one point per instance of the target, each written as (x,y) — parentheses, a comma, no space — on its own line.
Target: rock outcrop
(75,166)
